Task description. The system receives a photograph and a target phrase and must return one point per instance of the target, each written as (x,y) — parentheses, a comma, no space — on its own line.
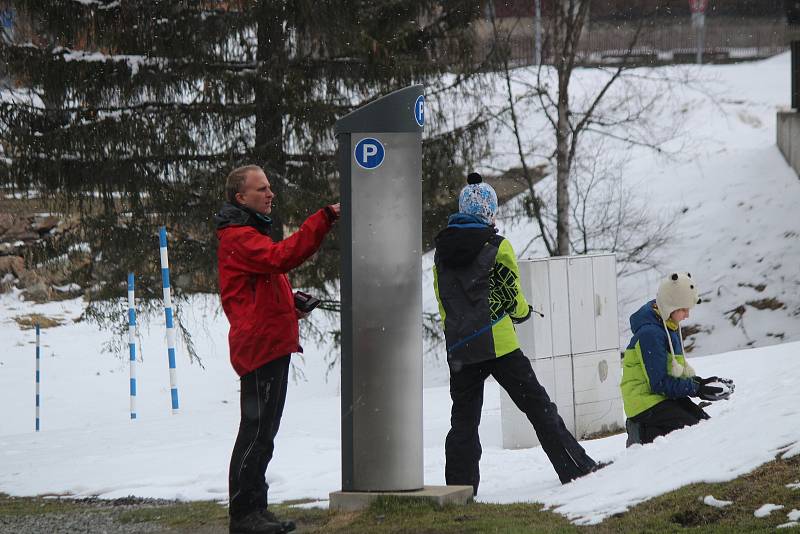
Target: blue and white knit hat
(478,199)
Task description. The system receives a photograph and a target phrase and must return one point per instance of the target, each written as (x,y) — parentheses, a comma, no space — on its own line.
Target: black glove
(522,319)
(704,381)
(708,392)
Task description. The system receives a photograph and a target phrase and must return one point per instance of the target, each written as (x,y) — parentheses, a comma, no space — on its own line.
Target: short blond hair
(236,179)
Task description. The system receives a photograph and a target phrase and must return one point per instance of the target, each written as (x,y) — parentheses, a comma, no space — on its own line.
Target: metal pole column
(380,163)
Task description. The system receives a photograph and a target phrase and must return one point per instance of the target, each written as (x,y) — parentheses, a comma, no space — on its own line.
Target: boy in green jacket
(476,280)
(657,382)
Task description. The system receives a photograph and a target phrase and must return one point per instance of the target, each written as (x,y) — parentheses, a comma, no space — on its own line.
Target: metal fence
(659,42)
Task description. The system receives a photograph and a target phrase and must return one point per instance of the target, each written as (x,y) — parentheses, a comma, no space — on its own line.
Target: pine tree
(131,113)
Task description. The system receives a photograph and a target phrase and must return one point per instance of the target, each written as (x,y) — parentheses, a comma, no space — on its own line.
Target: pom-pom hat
(478,199)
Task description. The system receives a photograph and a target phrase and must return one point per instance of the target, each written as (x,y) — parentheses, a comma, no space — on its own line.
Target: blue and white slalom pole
(132,342)
(38,353)
(173,383)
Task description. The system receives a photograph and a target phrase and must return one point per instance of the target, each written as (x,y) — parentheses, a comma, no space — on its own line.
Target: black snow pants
(514,373)
(664,417)
(263,394)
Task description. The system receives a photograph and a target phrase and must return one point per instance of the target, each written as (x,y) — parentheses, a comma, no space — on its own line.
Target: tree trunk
(272,58)
(562,166)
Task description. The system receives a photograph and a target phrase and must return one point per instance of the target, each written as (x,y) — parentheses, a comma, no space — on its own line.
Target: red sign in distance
(698,6)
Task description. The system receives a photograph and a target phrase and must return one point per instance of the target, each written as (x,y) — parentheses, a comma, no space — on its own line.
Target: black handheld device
(305,302)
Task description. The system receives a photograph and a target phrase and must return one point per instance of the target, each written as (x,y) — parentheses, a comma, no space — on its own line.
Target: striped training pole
(38,353)
(132,342)
(168,315)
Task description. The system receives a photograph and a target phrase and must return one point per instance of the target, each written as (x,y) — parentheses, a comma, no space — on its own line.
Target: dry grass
(758,287)
(766,304)
(29,321)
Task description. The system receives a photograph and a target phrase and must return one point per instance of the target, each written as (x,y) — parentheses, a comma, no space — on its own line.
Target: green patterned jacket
(476,280)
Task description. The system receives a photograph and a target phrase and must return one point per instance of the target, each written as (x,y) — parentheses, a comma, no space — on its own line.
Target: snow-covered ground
(88,445)
(741,200)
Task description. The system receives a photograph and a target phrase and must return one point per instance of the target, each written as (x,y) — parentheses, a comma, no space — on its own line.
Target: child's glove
(522,319)
(714,388)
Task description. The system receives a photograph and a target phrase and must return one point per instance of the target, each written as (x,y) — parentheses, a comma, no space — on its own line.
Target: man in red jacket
(258,301)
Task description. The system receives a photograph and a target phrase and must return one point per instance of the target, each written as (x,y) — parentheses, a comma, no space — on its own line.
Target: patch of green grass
(678,511)
(683,510)
(210,516)
(18,506)
(177,515)
(396,515)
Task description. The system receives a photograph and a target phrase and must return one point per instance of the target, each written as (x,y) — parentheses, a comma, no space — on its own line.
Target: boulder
(6,220)
(19,229)
(43,225)
(12,264)
(38,292)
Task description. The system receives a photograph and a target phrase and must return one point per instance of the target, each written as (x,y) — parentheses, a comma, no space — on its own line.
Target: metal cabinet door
(598,401)
(604,272)
(535,335)
(559,306)
(581,304)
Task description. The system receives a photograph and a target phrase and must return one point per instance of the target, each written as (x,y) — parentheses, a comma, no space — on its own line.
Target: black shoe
(634,431)
(595,467)
(599,465)
(287,525)
(255,523)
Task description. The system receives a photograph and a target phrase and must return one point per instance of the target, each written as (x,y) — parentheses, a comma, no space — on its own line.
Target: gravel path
(85,516)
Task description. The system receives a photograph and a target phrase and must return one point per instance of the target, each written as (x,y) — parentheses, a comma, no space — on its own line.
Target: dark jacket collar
(234,214)
(462,240)
(464,220)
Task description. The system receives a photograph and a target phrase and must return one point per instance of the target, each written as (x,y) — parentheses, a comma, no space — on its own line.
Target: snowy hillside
(739,236)
(734,199)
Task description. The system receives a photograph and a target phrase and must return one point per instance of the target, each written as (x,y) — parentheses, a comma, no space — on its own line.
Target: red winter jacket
(256,294)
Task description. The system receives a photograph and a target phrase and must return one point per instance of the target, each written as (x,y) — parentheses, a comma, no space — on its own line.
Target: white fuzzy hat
(677,291)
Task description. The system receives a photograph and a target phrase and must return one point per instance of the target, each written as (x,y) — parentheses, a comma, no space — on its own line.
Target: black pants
(666,416)
(514,373)
(263,394)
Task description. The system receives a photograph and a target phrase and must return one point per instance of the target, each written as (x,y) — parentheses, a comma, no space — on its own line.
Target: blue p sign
(419,110)
(369,153)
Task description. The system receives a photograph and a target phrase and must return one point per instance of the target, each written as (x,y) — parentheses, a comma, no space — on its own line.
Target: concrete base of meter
(351,501)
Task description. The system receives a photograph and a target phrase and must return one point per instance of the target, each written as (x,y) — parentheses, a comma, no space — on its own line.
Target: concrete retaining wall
(789,137)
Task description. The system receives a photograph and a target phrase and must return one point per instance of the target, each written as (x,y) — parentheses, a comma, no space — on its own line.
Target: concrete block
(596,376)
(602,417)
(518,433)
(788,137)
(783,133)
(351,501)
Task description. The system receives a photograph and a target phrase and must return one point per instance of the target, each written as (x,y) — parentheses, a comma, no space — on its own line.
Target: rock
(6,220)
(20,228)
(12,264)
(38,292)
(45,224)
(11,249)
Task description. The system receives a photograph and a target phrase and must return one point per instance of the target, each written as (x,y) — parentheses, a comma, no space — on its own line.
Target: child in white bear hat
(657,382)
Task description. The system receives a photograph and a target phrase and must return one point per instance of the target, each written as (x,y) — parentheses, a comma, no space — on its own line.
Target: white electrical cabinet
(574,348)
